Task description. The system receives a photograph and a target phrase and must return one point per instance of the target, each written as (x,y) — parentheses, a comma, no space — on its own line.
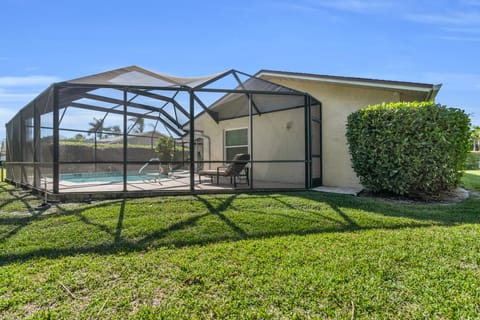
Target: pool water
(106,177)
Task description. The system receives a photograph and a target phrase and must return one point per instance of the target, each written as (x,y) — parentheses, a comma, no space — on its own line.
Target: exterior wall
(338,101)
(277,136)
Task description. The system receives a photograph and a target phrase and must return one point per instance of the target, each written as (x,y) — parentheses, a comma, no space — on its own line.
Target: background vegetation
(473,160)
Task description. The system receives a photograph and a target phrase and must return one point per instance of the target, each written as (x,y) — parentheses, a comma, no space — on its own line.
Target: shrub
(167,150)
(409,147)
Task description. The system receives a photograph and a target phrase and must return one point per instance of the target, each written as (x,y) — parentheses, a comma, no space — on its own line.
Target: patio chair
(233,170)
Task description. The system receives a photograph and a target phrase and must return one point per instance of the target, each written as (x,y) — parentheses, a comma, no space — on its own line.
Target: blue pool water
(106,177)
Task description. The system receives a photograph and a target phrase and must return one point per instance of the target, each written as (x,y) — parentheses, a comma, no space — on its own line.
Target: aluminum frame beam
(129,113)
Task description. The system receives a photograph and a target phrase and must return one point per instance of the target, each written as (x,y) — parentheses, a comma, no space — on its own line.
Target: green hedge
(409,148)
(473,161)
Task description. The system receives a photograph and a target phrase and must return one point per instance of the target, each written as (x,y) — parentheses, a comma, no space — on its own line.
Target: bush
(409,147)
(473,161)
(167,150)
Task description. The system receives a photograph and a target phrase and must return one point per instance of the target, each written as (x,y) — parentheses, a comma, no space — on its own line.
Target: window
(236,141)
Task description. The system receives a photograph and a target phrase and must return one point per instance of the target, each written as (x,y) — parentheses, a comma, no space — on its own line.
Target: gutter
(365,82)
(433,92)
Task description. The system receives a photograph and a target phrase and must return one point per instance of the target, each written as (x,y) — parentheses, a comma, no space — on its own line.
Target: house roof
(430,89)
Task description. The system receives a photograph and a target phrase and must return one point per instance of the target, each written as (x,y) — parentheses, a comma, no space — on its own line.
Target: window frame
(225,147)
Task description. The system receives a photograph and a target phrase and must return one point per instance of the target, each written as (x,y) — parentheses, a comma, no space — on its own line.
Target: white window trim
(225,147)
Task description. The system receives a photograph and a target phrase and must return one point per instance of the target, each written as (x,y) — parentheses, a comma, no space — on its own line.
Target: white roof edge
(367,83)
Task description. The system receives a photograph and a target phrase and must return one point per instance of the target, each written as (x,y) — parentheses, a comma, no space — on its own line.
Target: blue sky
(422,41)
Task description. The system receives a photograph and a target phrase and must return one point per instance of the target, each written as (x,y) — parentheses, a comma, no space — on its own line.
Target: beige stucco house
(278,144)
(291,124)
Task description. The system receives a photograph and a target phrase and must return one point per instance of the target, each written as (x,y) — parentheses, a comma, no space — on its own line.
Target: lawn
(269,255)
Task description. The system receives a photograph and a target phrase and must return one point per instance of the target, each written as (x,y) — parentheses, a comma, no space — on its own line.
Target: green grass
(296,255)
(471,179)
(473,160)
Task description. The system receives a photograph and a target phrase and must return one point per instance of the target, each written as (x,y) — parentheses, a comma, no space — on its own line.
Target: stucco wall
(273,141)
(277,136)
(338,101)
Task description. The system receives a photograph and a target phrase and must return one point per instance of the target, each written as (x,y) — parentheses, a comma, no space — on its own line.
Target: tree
(79,137)
(138,124)
(96,127)
(476,138)
(165,148)
(112,129)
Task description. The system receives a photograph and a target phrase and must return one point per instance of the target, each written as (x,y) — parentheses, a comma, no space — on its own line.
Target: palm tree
(115,129)
(138,124)
(112,129)
(96,127)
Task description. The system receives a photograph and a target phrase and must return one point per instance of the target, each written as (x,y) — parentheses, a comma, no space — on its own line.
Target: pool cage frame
(23,154)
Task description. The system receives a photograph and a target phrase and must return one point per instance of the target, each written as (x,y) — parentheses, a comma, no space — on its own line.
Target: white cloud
(355,5)
(460,18)
(15,99)
(17,91)
(298,7)
(458,38)
(458,82)
(471,2)
(472,31)
(27,81)
(463,13)
(30,69)
(7,113)
(10,97)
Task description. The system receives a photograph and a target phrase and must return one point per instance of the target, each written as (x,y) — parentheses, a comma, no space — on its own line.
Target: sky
(434,42)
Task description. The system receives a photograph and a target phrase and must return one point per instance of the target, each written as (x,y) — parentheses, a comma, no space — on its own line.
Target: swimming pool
(107,177)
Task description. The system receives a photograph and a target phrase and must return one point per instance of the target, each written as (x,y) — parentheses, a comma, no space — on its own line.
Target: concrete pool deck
(173,185)
(179,184)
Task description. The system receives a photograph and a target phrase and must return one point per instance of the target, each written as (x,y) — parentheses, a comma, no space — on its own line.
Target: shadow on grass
(24,220)
(218,211)
(14,195)
(434,214)
(296,213)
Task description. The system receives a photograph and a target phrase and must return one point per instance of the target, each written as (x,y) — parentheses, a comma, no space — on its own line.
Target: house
(291,124)
(280,135)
